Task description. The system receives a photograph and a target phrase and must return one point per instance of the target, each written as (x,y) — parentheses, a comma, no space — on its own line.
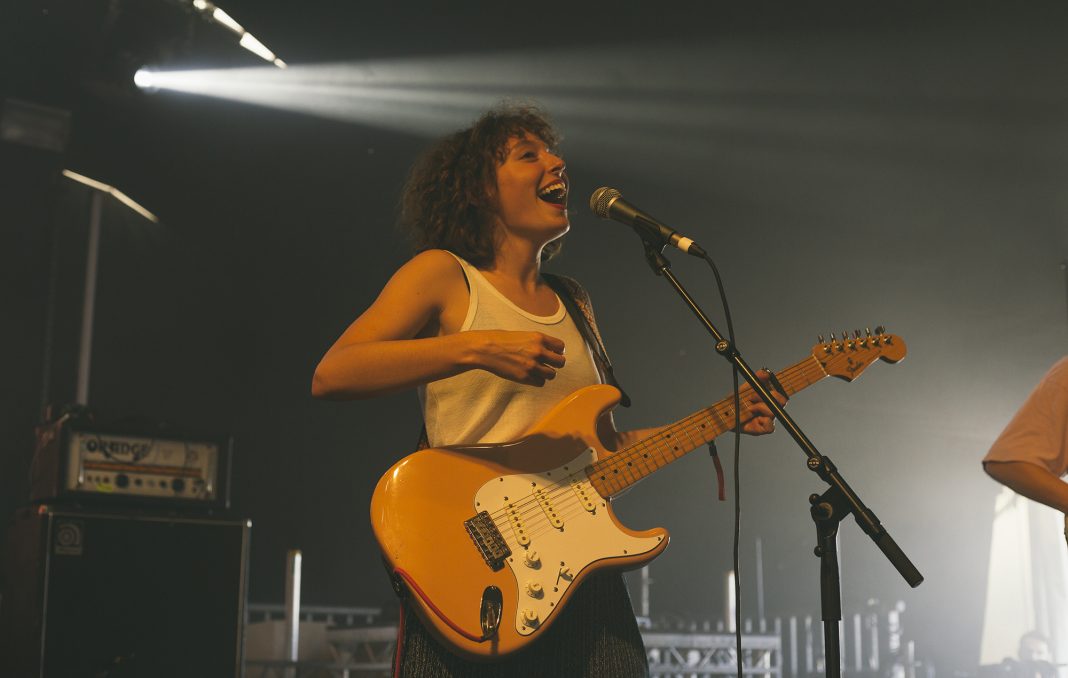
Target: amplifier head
(76,461)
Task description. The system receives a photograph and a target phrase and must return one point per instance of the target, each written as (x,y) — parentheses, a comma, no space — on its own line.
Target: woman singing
(487,339)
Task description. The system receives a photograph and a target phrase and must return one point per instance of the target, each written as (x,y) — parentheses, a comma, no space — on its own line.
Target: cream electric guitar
(491,541)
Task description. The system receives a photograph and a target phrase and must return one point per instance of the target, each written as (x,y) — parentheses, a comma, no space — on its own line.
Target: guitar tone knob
(534,589)
(532,559)
(530,617)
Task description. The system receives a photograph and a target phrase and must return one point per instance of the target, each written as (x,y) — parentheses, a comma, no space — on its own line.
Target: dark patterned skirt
(596,637)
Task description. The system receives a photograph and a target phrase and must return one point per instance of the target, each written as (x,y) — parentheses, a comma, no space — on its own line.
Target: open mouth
(554,193)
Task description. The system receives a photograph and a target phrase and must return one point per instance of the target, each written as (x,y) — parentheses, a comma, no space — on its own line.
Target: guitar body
(536,495)
(491,541)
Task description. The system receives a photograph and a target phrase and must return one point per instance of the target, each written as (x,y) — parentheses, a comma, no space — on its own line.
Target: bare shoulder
(427,293)
(412,303)
(433,266)
(428,272)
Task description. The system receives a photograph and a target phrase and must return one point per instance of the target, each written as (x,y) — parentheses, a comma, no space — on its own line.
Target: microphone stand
(828,509)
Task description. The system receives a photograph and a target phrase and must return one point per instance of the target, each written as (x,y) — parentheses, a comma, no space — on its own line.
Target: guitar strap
(577,303)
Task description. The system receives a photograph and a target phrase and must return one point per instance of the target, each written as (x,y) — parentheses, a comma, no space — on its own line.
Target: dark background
(847,164)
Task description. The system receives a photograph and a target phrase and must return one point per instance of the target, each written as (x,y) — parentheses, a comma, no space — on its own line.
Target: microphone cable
(737,473)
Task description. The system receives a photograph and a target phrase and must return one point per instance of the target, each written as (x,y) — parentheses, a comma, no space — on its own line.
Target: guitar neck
(619,471)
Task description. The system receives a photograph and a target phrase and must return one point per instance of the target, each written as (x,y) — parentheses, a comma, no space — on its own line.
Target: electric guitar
(491,541)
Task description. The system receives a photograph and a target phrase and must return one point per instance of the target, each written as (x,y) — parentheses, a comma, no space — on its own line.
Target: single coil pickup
(585,494)
(550,512)
(520,530)
(488,540)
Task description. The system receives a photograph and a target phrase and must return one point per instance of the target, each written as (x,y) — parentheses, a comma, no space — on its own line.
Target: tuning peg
(820,337)
(879,330)
(867,331)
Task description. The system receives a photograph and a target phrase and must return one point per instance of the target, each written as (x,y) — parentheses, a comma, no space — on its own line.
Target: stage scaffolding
(367,651)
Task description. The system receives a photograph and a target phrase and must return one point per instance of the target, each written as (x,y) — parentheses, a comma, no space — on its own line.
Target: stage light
(245,39)
(226,20)
(143,78)
(249,42)
(431,96)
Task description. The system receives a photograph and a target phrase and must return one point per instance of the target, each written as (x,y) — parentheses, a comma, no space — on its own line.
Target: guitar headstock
(846,357)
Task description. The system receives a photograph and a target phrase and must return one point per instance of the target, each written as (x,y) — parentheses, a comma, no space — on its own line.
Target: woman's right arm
(409,336)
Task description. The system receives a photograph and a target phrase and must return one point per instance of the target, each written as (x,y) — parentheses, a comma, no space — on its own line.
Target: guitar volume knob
(532,559)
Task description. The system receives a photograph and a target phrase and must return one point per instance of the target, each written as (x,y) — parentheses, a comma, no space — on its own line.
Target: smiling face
(531,191)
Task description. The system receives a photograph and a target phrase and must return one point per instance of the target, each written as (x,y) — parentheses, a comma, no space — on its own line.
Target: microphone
(608,203)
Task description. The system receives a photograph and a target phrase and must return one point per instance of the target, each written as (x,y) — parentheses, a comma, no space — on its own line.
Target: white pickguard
(559,518)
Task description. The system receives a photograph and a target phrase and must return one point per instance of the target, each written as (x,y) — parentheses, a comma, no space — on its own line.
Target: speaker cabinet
(115,595)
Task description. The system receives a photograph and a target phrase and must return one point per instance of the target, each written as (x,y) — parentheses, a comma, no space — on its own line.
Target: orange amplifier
(73,461)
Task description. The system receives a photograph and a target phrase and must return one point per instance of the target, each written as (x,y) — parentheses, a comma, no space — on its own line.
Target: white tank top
(477,406)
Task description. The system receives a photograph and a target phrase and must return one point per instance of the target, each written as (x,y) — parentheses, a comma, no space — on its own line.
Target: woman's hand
(763,422)
(526,357)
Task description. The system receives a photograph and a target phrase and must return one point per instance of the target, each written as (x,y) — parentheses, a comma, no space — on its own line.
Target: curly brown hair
(446,201)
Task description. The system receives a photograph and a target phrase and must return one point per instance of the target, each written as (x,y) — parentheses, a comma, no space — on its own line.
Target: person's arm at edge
(1031,481)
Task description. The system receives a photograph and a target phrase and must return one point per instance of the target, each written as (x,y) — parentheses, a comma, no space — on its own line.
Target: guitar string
(543,524)
(565,510)
(685,426)
(571,507)
(793,379)
(571,514)
(790,378)
(722,410)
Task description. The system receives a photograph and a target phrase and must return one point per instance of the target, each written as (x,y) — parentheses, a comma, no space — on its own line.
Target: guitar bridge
(488,539)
